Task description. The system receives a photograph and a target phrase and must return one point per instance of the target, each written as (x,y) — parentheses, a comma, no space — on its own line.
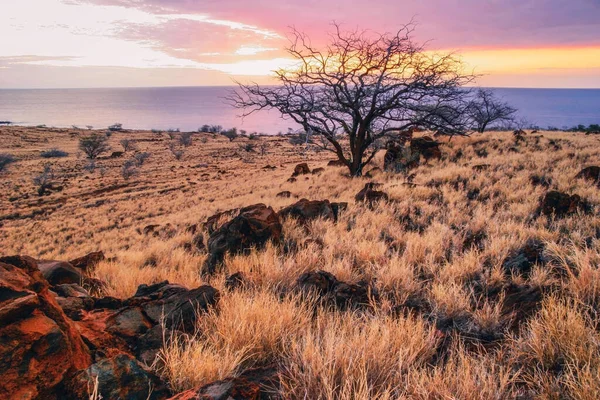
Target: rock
(256,384)
(540,180)
(70,290)
(336,163)
(39,347)
(149,344)
(198,242)
(285,194)
(523,259)
(129,323)
(562,204)
(520,303)
(214,222)
(151,229)
(426,147)
(253,227)
(60,272)
(88,262)
(481,167)
(116,154)
(175,305)
(337,209)
(317,171)
(350,296)
(292,180)
(399,158)
(307,210)
(372,172)
(236,281)
(371,196)
(590,173)
(319,282)
(301,169)
(119,377)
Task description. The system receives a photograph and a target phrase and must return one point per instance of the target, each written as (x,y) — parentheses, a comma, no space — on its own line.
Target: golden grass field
(410,248)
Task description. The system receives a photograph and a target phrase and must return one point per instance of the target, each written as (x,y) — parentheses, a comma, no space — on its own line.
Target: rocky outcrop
(58,341)
(252,228)
(40,346)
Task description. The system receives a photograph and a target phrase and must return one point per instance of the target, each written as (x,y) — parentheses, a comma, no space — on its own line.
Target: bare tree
(128,144)
(93,145)
(485,108)
(362,87)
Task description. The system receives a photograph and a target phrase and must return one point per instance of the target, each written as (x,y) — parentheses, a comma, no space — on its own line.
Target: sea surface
(188,108)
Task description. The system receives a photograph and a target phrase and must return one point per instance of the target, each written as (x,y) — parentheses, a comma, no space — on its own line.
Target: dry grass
(418,248)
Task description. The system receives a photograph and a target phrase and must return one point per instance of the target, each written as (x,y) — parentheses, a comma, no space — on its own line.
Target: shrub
(93,145)
(116,127)
(5,160)
(177,153)
(91,166)
(204,128)
(215,129)
(140,158)
(156,131)
(129,169)
(127,144)
(54,153)
(90,127)
(172,133)
(248,147)
(43,181)
(185,139)
(230,134)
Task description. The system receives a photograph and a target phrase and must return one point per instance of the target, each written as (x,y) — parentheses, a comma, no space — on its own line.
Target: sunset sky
(100,43)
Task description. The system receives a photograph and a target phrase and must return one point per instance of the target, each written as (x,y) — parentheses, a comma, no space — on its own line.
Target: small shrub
(89,127)
(230,134)
(204,128)
(248,147)
(91,166)
(177,153)
(54,153)
(215,129)
(140,158)
(129,169)
(185,139)
(44,180)
(116,127)
(172,133)
(127,144)
(93,145)
(156,131)
(6,160)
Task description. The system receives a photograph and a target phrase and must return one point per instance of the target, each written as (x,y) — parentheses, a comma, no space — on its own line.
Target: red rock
(336,163)
(590,173)
(39,345)
(562,204)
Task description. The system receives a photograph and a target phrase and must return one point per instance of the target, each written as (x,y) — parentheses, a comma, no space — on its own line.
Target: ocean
(188,108)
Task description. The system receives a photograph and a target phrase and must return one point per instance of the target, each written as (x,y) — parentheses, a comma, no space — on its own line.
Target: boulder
(89,261)
(301,169)
(307,210)
(317,171)
(60,272)
(236,281)
(371,196)
(253,227)
(343,295)
(590,173)
(39,347)
(562,204)
(119,377)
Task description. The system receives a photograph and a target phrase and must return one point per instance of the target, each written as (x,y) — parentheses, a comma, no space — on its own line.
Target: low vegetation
(459,277)
(54,153)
